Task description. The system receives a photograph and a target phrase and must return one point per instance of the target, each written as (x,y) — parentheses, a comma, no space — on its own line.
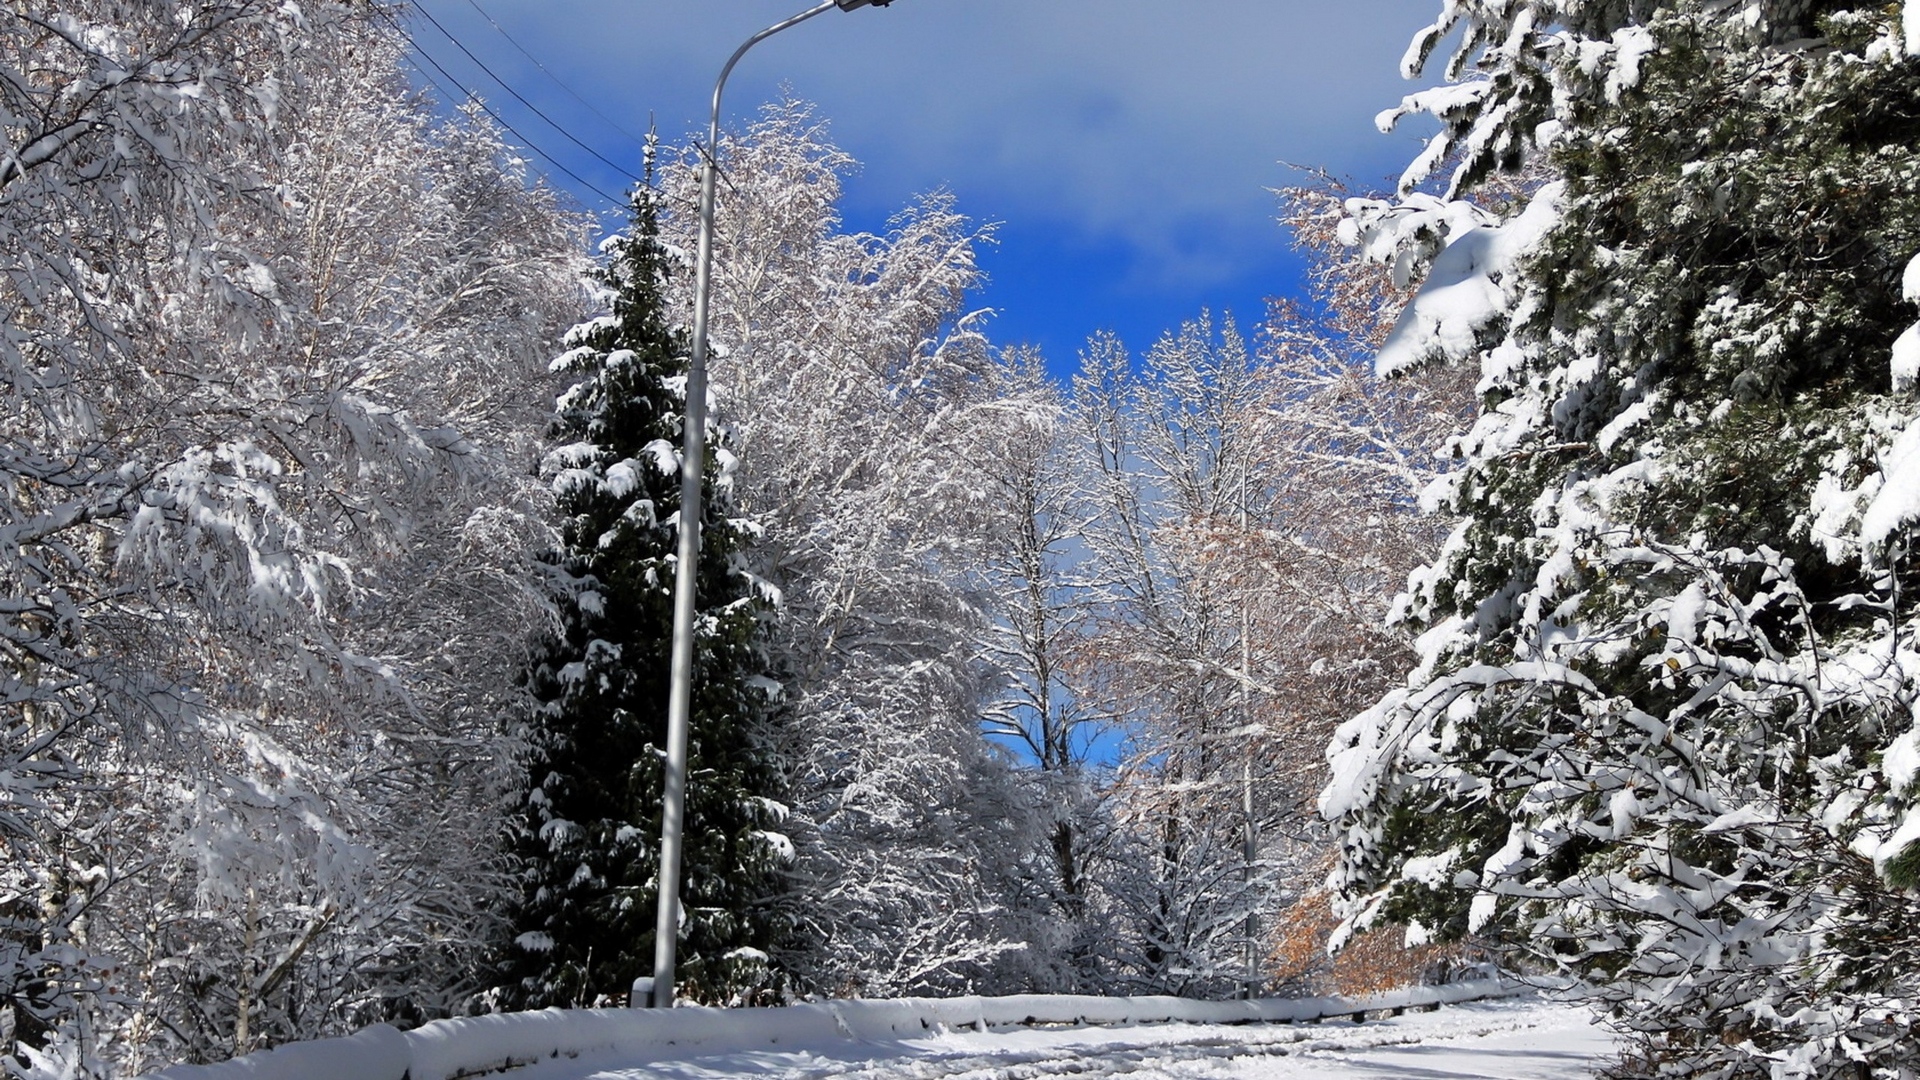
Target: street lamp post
(692,467)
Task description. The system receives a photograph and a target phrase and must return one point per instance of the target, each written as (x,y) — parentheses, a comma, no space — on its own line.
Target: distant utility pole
(693,465)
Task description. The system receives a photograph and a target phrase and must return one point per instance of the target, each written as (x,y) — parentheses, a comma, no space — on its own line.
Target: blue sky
(1124,147)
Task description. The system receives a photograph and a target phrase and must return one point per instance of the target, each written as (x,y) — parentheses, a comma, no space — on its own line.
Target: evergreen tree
(590,830)
(1663,732)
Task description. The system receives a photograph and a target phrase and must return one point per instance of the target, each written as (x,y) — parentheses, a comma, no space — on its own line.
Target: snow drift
(446,1049)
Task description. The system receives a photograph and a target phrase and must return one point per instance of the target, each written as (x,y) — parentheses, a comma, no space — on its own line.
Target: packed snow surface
(1512,1039)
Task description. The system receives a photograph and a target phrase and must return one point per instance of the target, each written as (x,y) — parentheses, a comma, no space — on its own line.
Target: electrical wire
(467,94)
(555,79)
(535,109)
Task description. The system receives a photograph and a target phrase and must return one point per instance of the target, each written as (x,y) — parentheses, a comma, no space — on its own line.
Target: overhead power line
(517,96)
(555,79)
(460,90)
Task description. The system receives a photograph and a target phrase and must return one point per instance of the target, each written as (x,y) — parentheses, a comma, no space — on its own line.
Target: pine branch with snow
(1658,730)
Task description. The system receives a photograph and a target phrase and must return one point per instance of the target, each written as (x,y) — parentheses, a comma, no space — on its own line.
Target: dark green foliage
(1652,750)
(590,831)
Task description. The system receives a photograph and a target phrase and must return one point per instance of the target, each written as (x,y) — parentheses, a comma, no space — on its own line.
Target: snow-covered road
(1513,1039)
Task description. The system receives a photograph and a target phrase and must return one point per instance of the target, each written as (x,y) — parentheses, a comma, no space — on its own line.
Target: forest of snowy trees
(1531,591)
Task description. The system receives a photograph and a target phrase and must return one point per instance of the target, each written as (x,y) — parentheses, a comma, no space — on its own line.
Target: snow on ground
(1512,1039)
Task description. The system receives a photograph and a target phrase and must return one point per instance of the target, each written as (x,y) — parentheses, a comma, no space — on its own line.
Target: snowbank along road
(1513,1039)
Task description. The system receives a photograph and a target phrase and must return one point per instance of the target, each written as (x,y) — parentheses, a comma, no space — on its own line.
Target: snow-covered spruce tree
(1662,735)
(590,830)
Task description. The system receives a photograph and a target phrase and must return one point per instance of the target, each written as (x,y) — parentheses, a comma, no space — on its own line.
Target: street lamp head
(849,5)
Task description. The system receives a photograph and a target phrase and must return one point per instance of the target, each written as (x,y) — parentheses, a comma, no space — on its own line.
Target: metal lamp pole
(692,467)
